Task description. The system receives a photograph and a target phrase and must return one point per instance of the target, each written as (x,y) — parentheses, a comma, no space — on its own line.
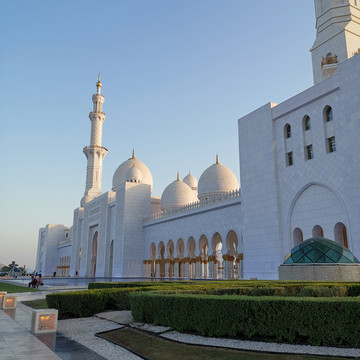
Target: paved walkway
(17,342)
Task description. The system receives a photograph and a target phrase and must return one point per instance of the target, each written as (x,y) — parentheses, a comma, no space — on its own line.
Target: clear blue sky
(176,74)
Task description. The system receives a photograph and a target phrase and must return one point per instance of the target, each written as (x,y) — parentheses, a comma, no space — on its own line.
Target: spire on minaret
(95,152)
(99,84)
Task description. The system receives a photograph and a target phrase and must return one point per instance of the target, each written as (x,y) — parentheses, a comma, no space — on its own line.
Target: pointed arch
(153,259)
(232,243)
(161,259)
(322,200)
(340,234)
(180,248)
(297,236)
(170,249)
(287,131)
(94,254)
(317,231)
(111,258)
(191,247)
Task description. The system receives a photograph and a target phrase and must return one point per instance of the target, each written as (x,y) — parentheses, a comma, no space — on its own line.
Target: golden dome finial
(217,159)
(177,177)
(99,84)
(133,155)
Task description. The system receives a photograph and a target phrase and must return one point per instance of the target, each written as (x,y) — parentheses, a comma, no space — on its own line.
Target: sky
(176,75)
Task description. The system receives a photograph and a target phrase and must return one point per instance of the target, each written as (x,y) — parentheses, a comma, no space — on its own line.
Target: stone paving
(17,342)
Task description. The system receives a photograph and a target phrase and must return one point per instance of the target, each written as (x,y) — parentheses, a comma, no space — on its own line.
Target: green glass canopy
(320,251)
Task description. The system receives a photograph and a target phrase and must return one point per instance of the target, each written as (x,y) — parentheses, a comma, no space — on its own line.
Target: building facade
(300,177)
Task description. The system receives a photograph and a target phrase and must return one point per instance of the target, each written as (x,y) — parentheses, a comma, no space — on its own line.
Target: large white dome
(120,173)
(191,181)
(176,195)
(216,180)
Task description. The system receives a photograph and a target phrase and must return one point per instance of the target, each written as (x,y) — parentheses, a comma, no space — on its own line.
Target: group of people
(36,281)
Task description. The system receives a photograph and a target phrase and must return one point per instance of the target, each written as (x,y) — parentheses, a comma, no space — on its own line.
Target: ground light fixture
(44,321)
(2,294)
(9,302)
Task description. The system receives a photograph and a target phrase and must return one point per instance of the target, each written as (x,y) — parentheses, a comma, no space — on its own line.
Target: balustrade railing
(197,204)
(94,147)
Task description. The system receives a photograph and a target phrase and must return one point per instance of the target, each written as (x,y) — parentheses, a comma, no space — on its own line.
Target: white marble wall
(132,207)
(52,235)
(321,191)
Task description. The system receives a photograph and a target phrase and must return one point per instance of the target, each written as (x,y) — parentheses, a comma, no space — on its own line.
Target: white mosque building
(300,177)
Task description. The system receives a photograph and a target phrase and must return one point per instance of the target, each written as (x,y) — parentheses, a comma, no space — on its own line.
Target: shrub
(317,321)
(268,291)
(78,303)
(89,302)
(353,289)
(324,291)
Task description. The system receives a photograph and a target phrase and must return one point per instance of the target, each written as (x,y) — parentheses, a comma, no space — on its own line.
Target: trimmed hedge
(241,287)
(89,302)
(127,284)
(316,321)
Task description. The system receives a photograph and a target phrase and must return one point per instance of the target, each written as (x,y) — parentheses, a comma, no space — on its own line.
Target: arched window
(287,131)
(317,231)
(298,236)
(330,142)
(341,234)
(328,114)
(307,123)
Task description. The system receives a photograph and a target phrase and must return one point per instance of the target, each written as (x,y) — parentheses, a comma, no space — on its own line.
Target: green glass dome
(320,251)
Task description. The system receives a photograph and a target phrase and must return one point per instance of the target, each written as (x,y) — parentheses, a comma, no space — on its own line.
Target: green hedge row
(236,287)
(316,321)
(89,302)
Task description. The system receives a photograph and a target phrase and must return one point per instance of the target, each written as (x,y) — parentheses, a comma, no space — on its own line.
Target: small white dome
(120,173)
(134,175)
(176,195)
(216,180)
(191,181)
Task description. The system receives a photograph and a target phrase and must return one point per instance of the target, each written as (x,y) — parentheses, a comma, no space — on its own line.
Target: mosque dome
(318,251)
(176,195)
(120,173)
(134,175)
(216,180)
(191,181)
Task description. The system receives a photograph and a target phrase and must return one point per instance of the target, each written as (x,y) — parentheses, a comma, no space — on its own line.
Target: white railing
(197,204)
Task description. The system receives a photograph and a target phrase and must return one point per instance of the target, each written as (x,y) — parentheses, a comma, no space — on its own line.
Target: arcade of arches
(200,258)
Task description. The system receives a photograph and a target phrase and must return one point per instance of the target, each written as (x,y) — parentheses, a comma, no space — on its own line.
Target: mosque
(300,178)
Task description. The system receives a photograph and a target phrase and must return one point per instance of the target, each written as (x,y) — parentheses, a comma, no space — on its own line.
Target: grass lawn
(155,348)
(10,288)
(37,304)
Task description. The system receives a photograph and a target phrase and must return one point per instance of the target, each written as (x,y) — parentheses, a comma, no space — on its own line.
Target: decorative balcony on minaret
(95,152)
(337,35)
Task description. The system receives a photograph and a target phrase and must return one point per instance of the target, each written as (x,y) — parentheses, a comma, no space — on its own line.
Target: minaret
(337,35)
(94,153)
